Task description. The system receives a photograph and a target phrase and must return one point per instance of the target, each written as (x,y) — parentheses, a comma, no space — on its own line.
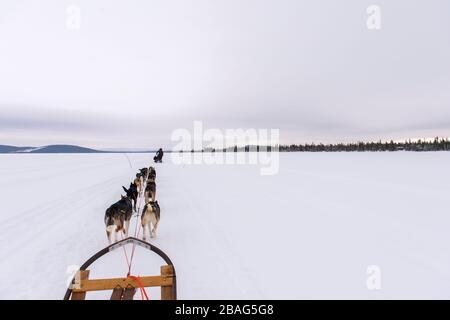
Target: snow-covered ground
(311,231)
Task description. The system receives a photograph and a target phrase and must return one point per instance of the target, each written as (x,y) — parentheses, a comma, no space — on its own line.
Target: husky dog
(117,217)
(150,191)
(151,177)
(139,182)
(132,193)
(144,172)
(150,217)
(152,171)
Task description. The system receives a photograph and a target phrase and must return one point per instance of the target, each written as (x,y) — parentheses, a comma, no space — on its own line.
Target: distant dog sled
(159,155)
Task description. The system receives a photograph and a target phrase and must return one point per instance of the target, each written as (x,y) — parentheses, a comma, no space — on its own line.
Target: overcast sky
(138,69)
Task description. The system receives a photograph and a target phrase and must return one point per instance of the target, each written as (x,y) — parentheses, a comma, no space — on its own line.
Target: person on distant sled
(159,156)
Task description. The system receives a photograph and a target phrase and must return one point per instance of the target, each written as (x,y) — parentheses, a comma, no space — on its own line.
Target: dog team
(118,215)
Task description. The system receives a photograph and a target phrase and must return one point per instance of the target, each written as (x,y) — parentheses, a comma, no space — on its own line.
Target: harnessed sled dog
(132,193)
(139,182)
(150,217)
(150,190)
(144,173)
(117,217)
(152,171)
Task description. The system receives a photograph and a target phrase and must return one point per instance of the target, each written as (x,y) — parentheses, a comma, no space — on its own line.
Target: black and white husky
(144,173)
(132,193)
(118,216)
(150,217)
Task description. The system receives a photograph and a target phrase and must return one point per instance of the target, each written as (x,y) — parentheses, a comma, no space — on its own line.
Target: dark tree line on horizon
(438,144)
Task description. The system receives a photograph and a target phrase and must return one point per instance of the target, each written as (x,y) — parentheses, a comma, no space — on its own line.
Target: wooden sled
(124,288)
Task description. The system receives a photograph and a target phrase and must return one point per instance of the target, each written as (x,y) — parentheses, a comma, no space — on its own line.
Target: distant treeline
(438,144)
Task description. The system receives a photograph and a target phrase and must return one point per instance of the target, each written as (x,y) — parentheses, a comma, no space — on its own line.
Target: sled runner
(124,288)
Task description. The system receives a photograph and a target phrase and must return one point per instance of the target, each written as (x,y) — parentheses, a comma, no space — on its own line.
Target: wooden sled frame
(124,288)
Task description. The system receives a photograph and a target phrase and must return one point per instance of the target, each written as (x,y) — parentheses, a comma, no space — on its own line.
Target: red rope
(137,228)
(130,261)
(137,231)
(126,258)
(141,287)
(134,247)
